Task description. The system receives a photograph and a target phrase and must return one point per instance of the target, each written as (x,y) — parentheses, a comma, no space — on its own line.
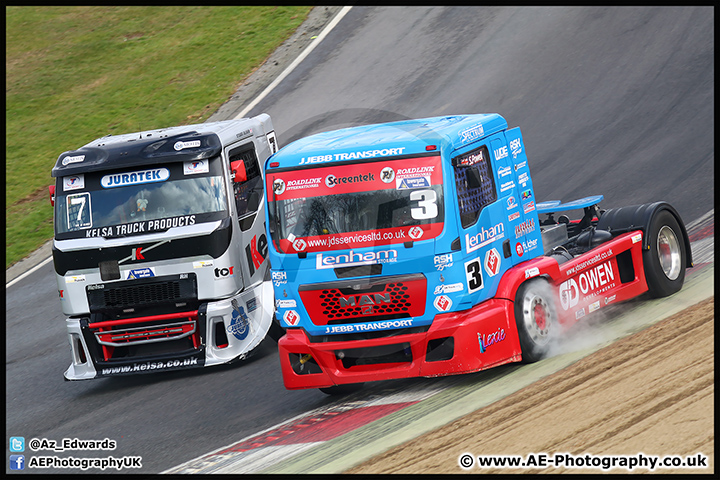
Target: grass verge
(74,74)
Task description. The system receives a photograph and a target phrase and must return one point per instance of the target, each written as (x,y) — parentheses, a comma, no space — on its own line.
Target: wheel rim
(668,251)
(536,313)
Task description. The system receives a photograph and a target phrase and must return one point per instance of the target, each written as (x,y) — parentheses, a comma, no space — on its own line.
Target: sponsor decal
(411,183)
(471,133)
(285,303)
(75,279)
(593,306)
(511,203)
(501,153)
(385,152)
(523,228)
(196,166)
(251,304)
(74,182)
(182,145)
(387,174)
(291,317)
(528,207)
(135,178)
(452,288)
(492,262)
(590,283)
(203,264)
(239,324)
(637,238)
(484,237)
(248,132)
(256,252)
(141,227)
(504,172)
(513,216)
(507,186)
(470,159)
(331,180)
(442,303)
(365,327)
(73,159)
(519,249)
(141,273)
(299,244)
(569,294)
(515,147)
(486,340)
(520,165)
(443,261)
(530,245)
(609,299)
(523,178)
(526,195)
(142,367)
(221,273)
(532,272)
(353,258)
(278,186)
(415,232)
(279,278)
(580,313)
(137,254)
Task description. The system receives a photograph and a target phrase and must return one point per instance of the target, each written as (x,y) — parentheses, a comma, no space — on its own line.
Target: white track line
(252,105)
(297,61)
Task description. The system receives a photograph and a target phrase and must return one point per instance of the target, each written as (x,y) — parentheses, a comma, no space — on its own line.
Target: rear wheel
(664,262)
(536,319)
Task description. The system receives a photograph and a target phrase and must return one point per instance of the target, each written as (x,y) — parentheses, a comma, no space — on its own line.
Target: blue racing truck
(418,248)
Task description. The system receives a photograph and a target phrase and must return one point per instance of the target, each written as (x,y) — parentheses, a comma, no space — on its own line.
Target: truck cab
(160,250)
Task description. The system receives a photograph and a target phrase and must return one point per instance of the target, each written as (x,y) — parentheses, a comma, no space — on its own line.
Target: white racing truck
(160,249)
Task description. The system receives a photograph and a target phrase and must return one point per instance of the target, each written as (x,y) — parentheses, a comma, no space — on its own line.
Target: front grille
(153,291)
(365,300)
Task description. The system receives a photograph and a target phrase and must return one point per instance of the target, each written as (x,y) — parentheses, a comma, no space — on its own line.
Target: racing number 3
(473,274)
(427,206)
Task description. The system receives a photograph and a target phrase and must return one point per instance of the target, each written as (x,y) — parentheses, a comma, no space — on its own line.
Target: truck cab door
(248,210)
(482,222)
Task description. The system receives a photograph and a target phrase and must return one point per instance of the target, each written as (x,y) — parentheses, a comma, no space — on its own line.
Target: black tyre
(275,331)
(342,389)
(536,319)
(664,262)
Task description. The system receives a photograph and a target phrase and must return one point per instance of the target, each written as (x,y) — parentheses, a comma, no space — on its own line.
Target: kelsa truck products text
(160,248)
(418,248)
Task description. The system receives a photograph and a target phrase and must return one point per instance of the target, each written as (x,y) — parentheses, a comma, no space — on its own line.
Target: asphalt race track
(611,101)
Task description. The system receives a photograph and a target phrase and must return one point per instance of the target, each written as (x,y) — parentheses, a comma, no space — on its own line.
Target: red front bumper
(459,342)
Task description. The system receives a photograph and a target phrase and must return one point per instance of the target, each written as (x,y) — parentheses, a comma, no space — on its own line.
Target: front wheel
(536,319)
(664,262)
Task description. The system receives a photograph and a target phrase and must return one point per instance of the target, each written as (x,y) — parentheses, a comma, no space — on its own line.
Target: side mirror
(239,175)
(51,188)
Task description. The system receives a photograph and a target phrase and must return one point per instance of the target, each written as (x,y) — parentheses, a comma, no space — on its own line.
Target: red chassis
(481,337)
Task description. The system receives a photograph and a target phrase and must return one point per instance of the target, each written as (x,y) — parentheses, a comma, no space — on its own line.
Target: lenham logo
(485,237)
(353,258)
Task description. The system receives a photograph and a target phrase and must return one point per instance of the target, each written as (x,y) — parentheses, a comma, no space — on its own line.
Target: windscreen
(356,205)
(139,200)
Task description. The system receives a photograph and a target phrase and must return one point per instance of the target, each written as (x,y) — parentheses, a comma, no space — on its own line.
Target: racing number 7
(427,204)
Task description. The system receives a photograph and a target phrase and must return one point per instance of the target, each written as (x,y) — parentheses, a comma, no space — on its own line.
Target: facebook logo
(17,462)
(17,444)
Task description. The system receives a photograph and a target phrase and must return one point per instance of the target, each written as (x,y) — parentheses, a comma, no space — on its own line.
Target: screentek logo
(332,180)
